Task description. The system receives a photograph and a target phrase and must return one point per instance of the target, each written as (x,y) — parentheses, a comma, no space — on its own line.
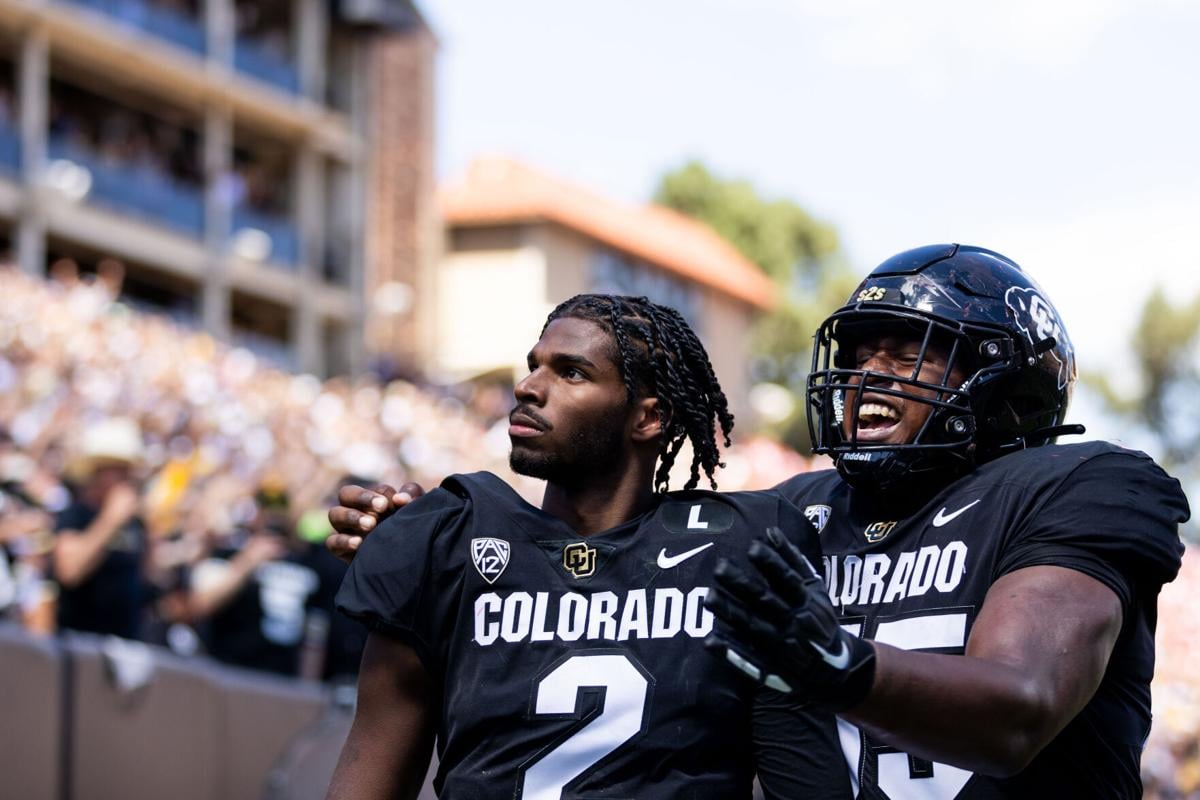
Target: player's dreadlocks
(659,354)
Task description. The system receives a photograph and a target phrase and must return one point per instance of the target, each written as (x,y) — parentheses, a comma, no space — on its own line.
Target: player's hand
(362,509)
(775,623)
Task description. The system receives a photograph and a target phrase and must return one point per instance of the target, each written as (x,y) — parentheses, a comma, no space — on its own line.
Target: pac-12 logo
(579,559)
(818,515)
(490,557)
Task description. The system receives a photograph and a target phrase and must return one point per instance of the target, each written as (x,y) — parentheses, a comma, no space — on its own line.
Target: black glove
(775,623)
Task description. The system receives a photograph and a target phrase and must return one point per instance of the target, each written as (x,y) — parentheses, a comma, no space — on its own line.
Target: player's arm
(1047,628)
(360,510)
(1036,655)
(387,752)
(78,553)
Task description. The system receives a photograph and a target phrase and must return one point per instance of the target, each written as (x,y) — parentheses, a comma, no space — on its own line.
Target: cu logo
(579,559)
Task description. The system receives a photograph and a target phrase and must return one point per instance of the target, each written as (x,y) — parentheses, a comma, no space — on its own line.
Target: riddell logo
(579,559)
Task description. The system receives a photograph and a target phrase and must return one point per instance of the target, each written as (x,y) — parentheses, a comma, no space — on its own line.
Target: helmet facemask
(945,444)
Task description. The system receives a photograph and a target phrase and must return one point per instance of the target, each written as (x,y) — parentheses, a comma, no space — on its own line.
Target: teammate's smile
(878,418)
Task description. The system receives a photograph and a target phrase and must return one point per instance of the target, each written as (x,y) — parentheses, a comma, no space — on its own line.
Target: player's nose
(531,389)
(883,366)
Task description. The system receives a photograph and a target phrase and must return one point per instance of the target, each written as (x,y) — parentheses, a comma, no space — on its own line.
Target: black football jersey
(574,667)
(916,578)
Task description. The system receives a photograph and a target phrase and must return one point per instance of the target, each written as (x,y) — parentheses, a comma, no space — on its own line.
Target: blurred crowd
(1171,766)
(153,148)
(157,485)
(122,137)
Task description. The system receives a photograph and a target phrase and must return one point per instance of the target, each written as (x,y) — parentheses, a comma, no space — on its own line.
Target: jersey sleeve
(799,531)
(392,584)
(800,487)
(1115,517)
(797,753)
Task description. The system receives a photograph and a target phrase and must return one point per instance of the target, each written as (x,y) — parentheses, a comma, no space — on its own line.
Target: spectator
(100,540)
(255,592)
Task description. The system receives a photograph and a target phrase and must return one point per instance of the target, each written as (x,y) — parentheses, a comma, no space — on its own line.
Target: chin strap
(1038,438)
(1043,435)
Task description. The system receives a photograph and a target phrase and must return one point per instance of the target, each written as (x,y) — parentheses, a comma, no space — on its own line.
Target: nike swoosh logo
(941,518)
(840,661)
(666,562)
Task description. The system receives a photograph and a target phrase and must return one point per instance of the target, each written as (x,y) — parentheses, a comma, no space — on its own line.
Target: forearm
(972,713)
(203,603)
(364,772)
(387,752)
(22,523)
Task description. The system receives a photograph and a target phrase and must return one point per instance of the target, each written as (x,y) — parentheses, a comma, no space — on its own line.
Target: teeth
(877,410)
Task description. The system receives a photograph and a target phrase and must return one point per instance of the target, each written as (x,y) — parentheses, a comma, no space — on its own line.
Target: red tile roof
(501,191)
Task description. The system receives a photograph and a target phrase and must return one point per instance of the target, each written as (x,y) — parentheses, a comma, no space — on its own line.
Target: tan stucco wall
(490,308)
(496,286)
(725,332)
(567,258)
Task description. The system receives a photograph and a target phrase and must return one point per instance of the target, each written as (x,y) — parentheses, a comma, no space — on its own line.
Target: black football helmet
(995,326)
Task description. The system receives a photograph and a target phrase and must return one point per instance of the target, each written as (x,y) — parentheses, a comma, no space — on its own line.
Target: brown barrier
(260,717)
(304,770)
(89,718)
(144,724)
(31,716)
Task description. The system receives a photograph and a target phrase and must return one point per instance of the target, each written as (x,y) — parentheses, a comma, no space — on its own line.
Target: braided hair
(659,355)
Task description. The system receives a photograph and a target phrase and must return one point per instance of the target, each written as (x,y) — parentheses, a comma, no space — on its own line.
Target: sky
(1061,134)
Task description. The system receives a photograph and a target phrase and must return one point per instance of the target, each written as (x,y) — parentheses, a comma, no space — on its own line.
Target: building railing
(10,149)
(175,27)
(282,239)
(254,59)
(138,192)
(277,353)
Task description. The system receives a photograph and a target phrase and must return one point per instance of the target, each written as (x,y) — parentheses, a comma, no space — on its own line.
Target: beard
(591,451)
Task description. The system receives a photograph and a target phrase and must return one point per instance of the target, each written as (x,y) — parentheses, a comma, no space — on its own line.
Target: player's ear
(648,419)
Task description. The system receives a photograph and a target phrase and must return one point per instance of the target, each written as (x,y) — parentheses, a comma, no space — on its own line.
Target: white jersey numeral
(623,707)
(898,775)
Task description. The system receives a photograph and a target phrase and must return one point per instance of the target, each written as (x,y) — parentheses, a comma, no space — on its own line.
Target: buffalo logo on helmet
(1036,319)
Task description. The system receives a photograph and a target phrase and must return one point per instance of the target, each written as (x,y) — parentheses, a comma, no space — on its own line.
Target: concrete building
(255,165)
(518,242)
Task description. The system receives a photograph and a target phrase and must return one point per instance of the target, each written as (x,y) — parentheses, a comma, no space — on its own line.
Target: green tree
(1166,345)
(801,254)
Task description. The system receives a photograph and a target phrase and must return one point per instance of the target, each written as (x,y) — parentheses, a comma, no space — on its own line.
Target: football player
(559,651)
(986,619)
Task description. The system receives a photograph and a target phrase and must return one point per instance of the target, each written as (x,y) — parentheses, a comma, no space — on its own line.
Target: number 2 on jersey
(620,719)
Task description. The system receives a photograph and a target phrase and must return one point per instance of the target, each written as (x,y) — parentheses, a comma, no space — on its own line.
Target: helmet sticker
(1036,319)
